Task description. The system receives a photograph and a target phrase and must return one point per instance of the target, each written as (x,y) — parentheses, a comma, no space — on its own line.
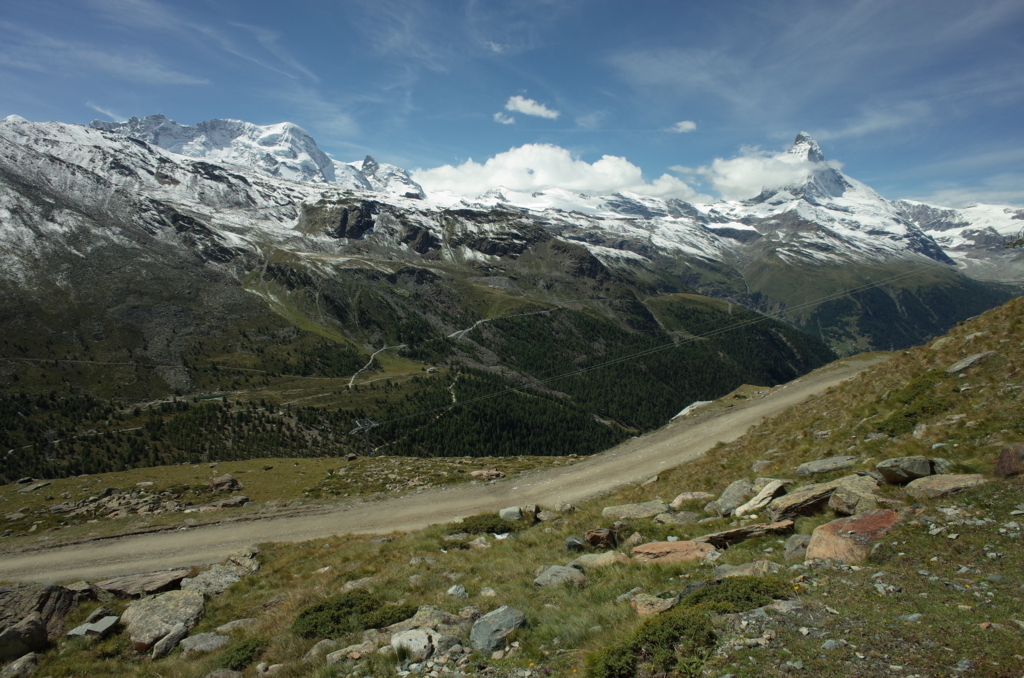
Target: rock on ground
(826,465)
(351,652)
(645,605)
(684,497)
(758,568)
(735,494)
(847,501)
(150,619)
(419,643)
(22,667)
(31,615)
(727,538)
(672,551)
(849,540)
(900,470)
(165,645)
(511,513)
(212,582)
(671,518)
(28,635)
(138,584)
(225,483)
(597,560)
(203,642)
(809,498)
(796,547)
(235,625)
(942,485)
(1009,462)
(762,498)
(647,509)
(969,361)
(555,575)
(601,538)
(490,631)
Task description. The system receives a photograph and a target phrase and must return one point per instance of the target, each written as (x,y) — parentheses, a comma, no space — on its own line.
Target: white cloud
(526,106)
(683,126)
(538,167)
(106,112)
(504,119)
(1002,189)
(753,170)
(881,119)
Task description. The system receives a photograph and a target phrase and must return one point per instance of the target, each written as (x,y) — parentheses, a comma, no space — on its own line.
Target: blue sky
(919,99)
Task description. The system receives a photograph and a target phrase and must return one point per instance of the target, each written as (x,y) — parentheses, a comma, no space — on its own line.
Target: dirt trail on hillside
(632,462)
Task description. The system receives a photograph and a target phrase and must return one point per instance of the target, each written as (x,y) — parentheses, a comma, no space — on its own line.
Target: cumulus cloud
(747,174)
(526,106)
(538,167)
(683,126)
(504,119)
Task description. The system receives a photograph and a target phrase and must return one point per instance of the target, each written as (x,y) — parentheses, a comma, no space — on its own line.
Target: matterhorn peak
(369,165)
(807,148)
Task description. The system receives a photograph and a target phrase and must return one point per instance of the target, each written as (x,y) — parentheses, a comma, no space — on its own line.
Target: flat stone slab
(151,618)
(203,642)
(213,582)
(556,575)
(849,540)
(138,584)
(596,560)
(809,498)
(969,361)
(672,551)
(100,628)
(826,465)
(847,501)
(727,538)
(762,498)
(680,518)
(647,509)
(942,485)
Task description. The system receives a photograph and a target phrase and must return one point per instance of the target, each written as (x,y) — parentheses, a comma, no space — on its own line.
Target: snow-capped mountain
(265,208)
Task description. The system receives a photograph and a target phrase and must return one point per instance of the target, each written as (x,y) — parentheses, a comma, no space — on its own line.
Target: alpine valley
(175,293)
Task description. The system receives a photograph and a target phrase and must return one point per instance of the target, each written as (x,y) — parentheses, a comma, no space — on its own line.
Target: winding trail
(629,463)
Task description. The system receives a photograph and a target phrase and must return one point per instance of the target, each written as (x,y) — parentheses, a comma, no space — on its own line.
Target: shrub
(243,653)
(482,524)
(736,594)
(347,613)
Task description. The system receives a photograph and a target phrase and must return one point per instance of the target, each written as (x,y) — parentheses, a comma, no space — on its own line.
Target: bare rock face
(969,361)
(848,501)
(150,619)
(809,498)
(796,547)
(30,615)
(672,551)
(490,631)
(849,540)
(556,575)
(942,485)
(1009,462)
(225,483)
(138,584)
(762,498)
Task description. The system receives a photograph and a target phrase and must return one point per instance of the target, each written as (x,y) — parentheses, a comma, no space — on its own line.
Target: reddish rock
(601,538)
(849,540)
(942,485)
(1009,461)
(671,551)
(644,604)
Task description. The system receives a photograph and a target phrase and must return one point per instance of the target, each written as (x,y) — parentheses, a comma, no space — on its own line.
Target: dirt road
(634,461)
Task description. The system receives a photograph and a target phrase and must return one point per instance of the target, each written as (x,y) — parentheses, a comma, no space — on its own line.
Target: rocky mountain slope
(873,531)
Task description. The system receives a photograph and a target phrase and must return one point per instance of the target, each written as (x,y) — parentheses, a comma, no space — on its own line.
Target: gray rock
(647,509)
(796,547)
(458,591)
(758,568)
(100,628)
(28,635)
(165,645)
(322,649)
(555,575)
(830,645)
(726,538)
(826,465)
(203,642)
(351,652)
(680,518)
(151,618)
(139,584)
(99,613)
(734,495)
(17,601)
(224,673)
(911,617)
(225,483)
(847,501)
(545,516)
(763,497)
(490,631)
(22,667)
(418,643)
(563,507)
(969,361)
(212,582)
(511,513)
(575,544)
(941,466)
(235,625)
(809,498)
(900,470)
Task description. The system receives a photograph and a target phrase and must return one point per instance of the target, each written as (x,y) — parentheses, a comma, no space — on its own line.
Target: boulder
(47,605)
(84,590)
(23,667)
(479,543)
(232,626)
(165,645)
(563,507)
(99,628)
(969,361)
(432,617)
(796,547)
(138,584)
(672,551)
(244,560)
(734,495)
(685,497)
(151,618)
(203,642)
(849,540)
(645,605)
(826,465)
(726,538)
(942,485)
(673,518)
(457,591)
(418,643)
(556,575)
(323,648)
(212,582)
(575,544)
(511,513)
(596,560)
(1009,462)
(230,502)
(647,509)
(634,539)
(762,498)
(601,538)
(545,515)
(809,498)
(758,568)
(28,635)
(848,501)
(491,630)
(354,652)
(900,470)
(225,483)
